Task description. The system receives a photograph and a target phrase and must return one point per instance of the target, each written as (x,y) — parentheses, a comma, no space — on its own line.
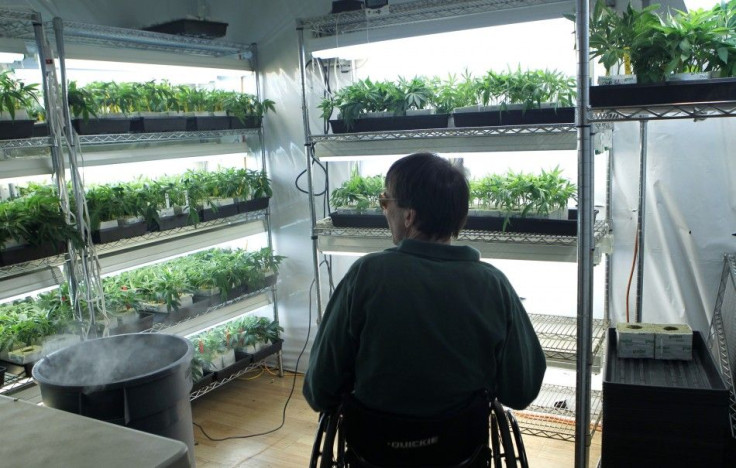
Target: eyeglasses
(383,200)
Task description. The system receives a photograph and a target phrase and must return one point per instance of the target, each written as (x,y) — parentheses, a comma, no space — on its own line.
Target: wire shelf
(722,336)
(325,228)
(166,327)
(408,13)
(558,336)
(16,382)
(20,143)
(552,414)
(117,138)
(108,36)
(665,112)
(219,383)
(201,227)
(18,23)
(553,129)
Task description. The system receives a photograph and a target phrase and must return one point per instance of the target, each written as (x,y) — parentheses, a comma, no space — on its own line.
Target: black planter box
(340,6)
(264,352)
(250,121)
(368,220)
(13,129)
(515,117)
(252,205)
(145,322)
(242,360)
(208,122)
(247,289)
(555,227)
(191,28)
(207,378)
(561,227)
(103,236)
(159,124)
(382,124)
(664,412)
(26,253)
(670,92)
(103,126)
(40,129)
(166,223)
(223,211)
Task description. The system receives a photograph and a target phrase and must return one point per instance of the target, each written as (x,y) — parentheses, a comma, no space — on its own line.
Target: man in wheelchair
(418,340)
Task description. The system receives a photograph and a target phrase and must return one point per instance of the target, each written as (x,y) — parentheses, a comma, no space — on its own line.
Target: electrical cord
(631,273)
(291,392)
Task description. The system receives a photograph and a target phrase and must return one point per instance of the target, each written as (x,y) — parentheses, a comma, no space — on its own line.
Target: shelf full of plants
(499,111)
(207,287)
(233,349)
(132,222)
(670,65)
(515,215)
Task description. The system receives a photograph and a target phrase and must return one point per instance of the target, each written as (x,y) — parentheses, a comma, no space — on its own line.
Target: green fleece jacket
(418,328)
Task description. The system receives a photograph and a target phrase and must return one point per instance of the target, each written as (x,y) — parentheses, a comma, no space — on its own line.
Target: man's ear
(410,215)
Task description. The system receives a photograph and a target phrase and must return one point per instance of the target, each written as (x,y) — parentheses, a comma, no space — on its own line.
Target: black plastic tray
(12,129)
(664,410)
(515,117)
(561,227)
(252,205)
(712,91)
(401,122)
(191,28)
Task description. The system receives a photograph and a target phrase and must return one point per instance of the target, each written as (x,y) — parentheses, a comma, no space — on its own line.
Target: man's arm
(332,360)
(522,363)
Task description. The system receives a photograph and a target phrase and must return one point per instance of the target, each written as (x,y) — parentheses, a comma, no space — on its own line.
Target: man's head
(426,198)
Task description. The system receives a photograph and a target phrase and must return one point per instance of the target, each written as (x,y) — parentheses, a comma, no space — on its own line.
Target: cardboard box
(635,340)
(673,341)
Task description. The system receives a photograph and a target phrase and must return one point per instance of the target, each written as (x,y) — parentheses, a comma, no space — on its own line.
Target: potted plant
(258,190)
(356,202)
(16,98)
(94,111)
(33,226)
(520,98)
(245,110)
(159,106)
(513,201)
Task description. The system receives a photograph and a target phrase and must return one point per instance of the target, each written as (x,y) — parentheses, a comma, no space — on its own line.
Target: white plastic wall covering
(722,336)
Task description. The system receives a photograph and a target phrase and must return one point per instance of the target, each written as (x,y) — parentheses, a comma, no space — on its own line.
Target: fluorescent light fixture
(7,57)
(344,254)
(350,52)
(702,4)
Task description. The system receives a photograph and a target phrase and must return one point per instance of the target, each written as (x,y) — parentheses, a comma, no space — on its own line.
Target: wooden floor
(254,404)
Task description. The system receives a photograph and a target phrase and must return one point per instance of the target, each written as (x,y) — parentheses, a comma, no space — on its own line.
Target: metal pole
(640,218)
(309,151)
(586,245)
(262,137)
(51,103)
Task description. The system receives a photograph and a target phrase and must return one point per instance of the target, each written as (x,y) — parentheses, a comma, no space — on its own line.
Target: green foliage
(14,94)
(358,192)
(519,193)
(35,218)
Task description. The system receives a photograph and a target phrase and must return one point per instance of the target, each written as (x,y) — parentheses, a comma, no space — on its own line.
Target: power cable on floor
(291,392)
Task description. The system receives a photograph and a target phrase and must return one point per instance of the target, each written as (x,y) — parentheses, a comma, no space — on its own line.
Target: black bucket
(141,381)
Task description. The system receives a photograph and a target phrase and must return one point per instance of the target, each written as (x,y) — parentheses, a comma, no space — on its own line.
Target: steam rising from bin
(141,381)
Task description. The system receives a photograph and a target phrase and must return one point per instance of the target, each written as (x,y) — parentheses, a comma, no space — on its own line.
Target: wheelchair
(484,434)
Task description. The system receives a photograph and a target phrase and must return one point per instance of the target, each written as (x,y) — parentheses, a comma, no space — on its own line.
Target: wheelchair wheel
(507,449)
(324,441)
(520,449)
